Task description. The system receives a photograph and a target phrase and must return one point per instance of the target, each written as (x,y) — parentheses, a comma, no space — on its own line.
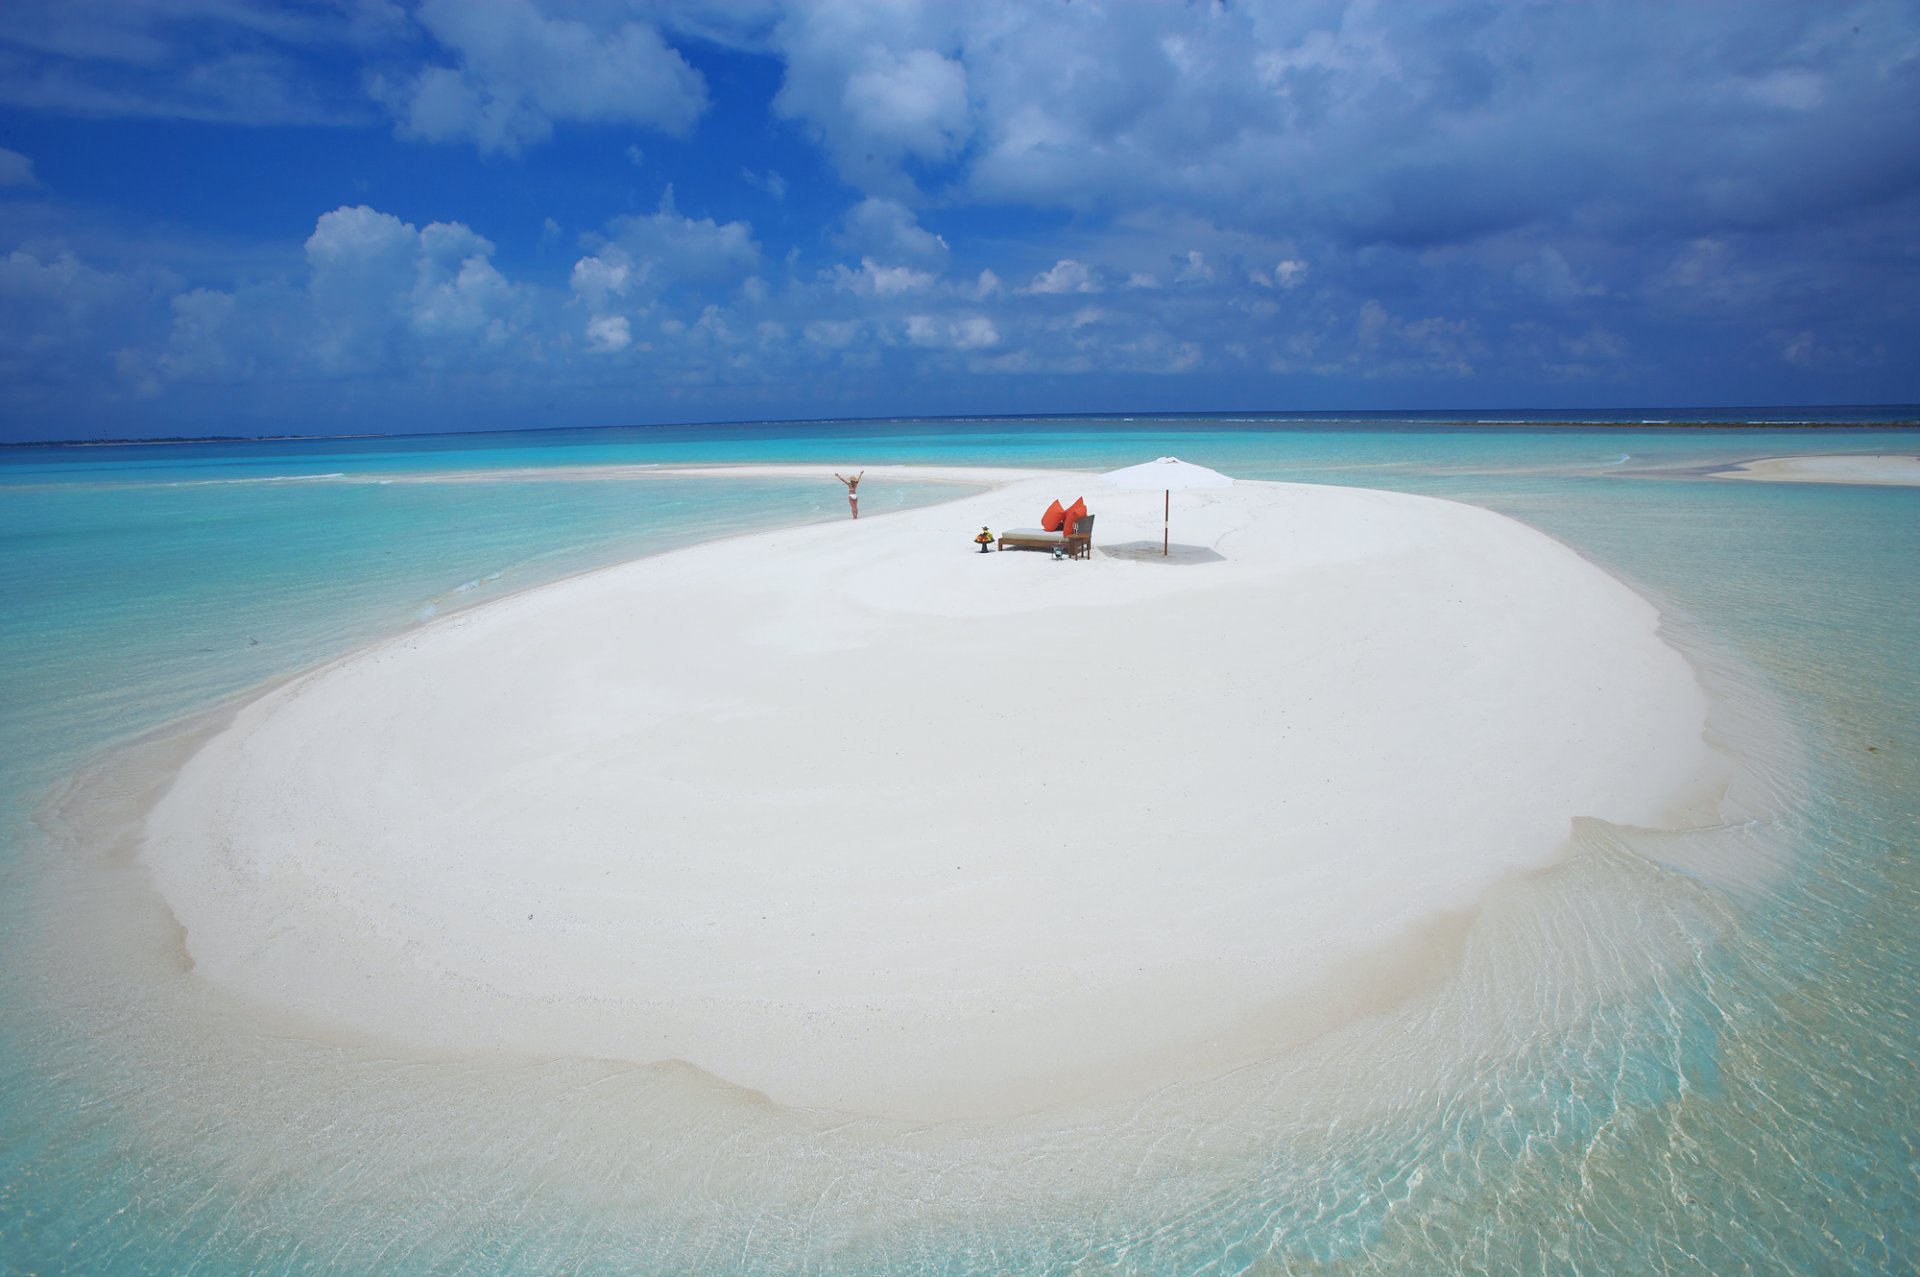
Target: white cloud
(379,297)
(58,276)
(676,249)
(609,334)
(204,344)
(968,332)
(1388,346)
(597,280)
(875,280)
(916,103)
(871,83)
(1286,274)
(362,265)
(59,313)
(888,231)
(519,72)
(1065,276)
(378,289)
(349,237)
(468,303)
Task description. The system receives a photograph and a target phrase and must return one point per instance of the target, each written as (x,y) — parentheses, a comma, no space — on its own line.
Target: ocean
(1708,1060)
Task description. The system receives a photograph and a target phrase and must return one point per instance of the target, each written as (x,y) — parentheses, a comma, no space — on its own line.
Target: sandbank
(1889,469)
(854,816)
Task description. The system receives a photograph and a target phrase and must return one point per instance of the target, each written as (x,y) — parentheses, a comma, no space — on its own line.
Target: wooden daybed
(1078,546)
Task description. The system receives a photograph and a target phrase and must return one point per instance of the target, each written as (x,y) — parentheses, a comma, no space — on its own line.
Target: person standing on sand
(853,490)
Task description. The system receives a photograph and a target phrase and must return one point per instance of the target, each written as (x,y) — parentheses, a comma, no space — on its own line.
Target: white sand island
(857,817)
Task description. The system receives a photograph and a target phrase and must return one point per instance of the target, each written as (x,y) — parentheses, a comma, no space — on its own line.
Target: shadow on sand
(1149,552)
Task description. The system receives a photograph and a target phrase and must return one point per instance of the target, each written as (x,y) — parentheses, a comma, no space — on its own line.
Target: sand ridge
(857,817)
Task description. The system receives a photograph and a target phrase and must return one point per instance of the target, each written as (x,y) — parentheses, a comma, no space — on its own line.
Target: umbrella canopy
(1166,474)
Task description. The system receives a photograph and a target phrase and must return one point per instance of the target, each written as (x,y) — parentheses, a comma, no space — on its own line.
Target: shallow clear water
(1631,1069)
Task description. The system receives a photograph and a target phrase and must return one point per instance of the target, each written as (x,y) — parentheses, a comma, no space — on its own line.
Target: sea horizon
(1726,416)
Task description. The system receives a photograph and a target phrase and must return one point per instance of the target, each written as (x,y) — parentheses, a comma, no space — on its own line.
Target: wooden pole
(1166,518)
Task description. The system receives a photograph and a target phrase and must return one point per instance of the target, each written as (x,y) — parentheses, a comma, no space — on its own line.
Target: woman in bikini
(853,490)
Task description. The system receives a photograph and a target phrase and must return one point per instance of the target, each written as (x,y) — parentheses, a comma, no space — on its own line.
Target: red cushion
(1052,518)
(1073,515)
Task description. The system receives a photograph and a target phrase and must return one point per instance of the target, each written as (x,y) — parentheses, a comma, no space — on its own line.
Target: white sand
(1892,469)
(857,817)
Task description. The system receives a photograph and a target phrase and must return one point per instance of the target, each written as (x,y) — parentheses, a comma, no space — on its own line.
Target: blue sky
(221,216)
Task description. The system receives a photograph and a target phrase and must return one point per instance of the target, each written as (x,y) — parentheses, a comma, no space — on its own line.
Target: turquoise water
(1711,1071)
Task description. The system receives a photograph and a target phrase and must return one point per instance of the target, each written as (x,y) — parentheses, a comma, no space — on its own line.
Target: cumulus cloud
(59,312)
(1287,273)
(876,280)
(609,333)
(469,302)
(603,278)
(518,72)
(877,86)
(1065,276)
(913,103)
(964,332)
(1387,345)
(644,256)
(888,231)
(378,286)
(207,341)
(667,247)
(379,294)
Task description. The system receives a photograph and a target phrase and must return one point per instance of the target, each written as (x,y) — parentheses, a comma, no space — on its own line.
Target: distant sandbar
(1885,469)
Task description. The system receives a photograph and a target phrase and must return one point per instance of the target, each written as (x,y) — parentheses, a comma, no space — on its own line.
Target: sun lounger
(1077,546)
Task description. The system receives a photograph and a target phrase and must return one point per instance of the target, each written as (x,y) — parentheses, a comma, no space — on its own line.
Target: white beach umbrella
(1166,473)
